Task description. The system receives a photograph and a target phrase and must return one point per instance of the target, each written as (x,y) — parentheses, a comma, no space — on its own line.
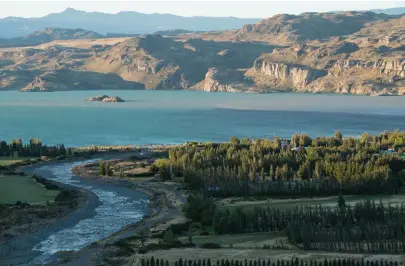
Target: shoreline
(160,210)
(19,249)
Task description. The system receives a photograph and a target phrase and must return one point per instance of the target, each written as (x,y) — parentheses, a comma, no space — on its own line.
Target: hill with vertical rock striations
(348,52)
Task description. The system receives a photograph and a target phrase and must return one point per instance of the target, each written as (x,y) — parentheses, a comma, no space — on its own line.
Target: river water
(112,208)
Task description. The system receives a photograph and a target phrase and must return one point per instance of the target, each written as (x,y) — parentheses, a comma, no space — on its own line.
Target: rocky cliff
(299,75)
(224,80)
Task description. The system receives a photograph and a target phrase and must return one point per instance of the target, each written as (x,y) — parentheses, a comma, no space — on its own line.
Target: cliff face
(300,76)
(395,67)
(379,77)
(337,67)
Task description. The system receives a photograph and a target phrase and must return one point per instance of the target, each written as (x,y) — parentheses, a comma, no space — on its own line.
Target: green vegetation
(366,227)
(269,262)
(104,168)
(355,172)
(301,167)
(288,204)
(23,189)
(199,209)
(35,148)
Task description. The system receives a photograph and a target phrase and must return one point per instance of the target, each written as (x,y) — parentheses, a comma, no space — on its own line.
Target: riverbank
(19,250)
(165,202)
(164,208)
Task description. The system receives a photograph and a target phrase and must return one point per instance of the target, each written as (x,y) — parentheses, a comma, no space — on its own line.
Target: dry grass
(84,43)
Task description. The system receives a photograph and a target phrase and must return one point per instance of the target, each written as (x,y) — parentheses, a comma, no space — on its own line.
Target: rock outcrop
(298,75)
(105,99)
(226,80)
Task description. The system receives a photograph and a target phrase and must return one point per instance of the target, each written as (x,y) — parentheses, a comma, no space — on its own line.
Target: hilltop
(288,29)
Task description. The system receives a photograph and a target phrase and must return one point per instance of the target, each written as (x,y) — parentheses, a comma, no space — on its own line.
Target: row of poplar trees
(269,262)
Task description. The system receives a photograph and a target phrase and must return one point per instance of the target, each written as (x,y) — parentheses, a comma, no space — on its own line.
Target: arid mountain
(48,35)
(162,63)
(351,52)
(123,22)
(390,11)
(289,29)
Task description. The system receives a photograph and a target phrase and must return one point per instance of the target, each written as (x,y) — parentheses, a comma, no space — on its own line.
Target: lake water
(157,117)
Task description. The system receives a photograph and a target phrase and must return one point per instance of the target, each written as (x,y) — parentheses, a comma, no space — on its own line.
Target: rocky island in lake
(106,99)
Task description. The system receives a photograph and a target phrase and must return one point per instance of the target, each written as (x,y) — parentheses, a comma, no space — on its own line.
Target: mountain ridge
(311,52)
(128,22)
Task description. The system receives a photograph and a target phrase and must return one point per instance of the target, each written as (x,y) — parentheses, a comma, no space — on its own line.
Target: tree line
(269,262)
(299,167)
(364,227)
(34,148)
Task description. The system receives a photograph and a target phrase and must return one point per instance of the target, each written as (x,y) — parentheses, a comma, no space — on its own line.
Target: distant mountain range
(128,22)
(390,11)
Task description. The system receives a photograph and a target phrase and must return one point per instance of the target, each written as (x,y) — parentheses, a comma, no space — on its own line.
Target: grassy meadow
(25,189)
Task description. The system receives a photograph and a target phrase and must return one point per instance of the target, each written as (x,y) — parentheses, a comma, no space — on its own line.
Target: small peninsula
(106,99)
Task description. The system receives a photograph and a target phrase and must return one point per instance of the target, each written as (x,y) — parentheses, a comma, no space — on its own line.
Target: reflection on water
(115,212)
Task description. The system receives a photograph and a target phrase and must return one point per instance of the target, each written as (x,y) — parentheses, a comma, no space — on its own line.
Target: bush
(65,195)
(210,246)
(180,228)
(200,209)
(146,174)
(169,237)
(124,248)
(51,186)
(163,246)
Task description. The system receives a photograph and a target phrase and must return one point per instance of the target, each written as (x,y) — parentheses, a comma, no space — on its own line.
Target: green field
(285,204)
(5,161)
(24,189)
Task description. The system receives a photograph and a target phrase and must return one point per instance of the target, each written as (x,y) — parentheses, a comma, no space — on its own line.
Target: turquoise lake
(157,117)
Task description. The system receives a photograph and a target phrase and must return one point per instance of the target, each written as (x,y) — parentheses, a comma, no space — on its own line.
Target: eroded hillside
(351,52)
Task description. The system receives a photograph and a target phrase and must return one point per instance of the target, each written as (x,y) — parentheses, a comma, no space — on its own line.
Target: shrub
(210,245)
(200,209)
